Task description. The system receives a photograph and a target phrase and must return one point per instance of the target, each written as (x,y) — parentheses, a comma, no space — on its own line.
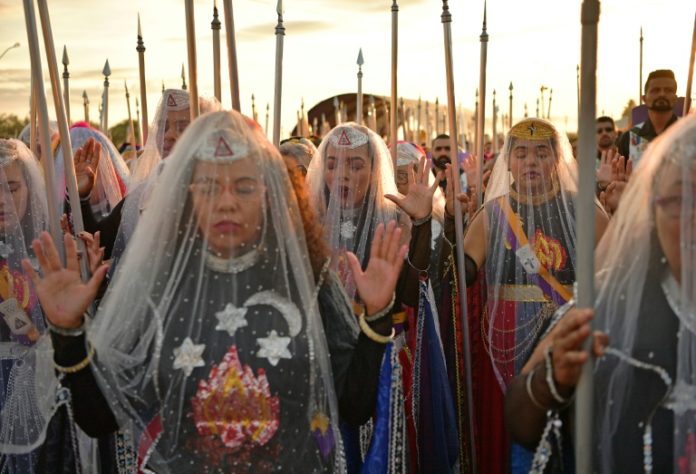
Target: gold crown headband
(532,130)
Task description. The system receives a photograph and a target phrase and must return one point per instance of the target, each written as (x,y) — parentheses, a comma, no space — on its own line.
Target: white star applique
(348,229)
(5,250)
(274,348)
(231,318)
(188,356)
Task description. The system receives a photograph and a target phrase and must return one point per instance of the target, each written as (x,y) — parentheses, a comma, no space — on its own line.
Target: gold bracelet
(372,334)
(80,365)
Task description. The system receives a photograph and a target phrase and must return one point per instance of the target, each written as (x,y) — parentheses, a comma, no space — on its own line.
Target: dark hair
(442,136)
(605,118)
(659,74)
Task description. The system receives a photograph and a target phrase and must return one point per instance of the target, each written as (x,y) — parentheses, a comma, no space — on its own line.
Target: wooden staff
(510,106)
(65,144)
(217,80)
(278,91)
(585,215)
(394,69)
(41,107)
(232,54)
(446,19)
(192,64)
(144,123)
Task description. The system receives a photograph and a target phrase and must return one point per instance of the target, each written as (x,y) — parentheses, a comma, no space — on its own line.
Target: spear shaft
(446,19)
(278,91)
(394,68)
(690,79)
(143,87)
(359,101)
(40,106)
(217,80)
(192,65)
(585,216)
(232,54)
(65,144)
(66,82)
(85,105)
(481,123)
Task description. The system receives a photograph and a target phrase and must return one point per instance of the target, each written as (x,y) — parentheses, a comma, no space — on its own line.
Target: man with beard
(440,155)
(660,98)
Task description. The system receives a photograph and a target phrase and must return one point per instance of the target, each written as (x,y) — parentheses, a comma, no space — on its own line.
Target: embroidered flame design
(235,406)
(14,284)
(549,251)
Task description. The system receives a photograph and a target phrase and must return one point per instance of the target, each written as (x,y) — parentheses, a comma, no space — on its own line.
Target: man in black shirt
(660,98)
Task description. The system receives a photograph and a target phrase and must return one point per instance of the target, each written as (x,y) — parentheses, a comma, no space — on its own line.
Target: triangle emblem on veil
(171,102)
(343,139)
(222,149)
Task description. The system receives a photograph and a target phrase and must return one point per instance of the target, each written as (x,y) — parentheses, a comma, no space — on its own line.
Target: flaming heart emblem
(236,406)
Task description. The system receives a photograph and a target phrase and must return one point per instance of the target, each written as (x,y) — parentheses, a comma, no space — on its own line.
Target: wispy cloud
(299,27)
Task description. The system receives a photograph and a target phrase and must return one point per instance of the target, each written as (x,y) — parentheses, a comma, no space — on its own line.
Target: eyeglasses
(605,130)
(243,189)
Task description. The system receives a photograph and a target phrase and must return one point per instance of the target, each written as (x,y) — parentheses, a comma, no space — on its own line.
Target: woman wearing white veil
(645,415)
(112,173)
(520,267)
(215,358)
(171,119)
(29,441)
(352,186)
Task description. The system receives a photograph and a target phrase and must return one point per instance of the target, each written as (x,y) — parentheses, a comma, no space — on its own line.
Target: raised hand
(621,168)
(86,160)
(377,283)
(418,203)
(64,297)
(95,253)
(605,172)
(449,194)
(611,197)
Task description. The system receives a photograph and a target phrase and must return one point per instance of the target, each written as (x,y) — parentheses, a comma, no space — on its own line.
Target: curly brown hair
(317,248)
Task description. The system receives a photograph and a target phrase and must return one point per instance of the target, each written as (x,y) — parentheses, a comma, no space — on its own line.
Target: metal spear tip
(65,61)
(361,60)
(279,8)
(107,69)
(485,14)
(140,31)
(125,84)
(510,88)
(183,71)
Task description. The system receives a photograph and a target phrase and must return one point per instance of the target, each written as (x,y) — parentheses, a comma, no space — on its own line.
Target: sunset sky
(532,43)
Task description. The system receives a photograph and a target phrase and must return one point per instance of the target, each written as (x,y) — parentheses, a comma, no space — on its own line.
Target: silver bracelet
(536,403)
(387,309)
(549,378)
(417,222)
(68,332)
